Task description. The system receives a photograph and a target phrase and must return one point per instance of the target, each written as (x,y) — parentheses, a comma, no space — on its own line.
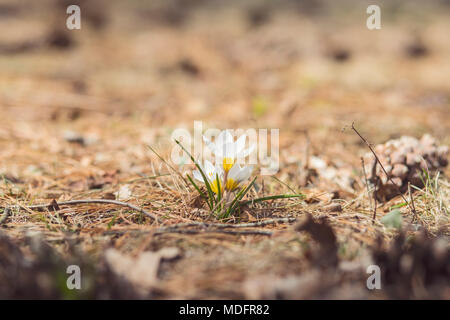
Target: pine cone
(405,160)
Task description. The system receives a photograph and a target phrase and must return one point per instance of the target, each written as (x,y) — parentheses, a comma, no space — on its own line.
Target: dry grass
(128,86)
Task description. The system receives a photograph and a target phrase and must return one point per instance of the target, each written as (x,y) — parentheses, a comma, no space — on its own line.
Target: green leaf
(399,205)
(219,191)
(284,184)
(393,219)
(167,163)
(238,197)
(280,196)
(113,221)
(196,186)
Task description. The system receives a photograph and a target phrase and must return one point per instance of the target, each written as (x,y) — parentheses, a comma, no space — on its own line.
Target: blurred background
(138,69)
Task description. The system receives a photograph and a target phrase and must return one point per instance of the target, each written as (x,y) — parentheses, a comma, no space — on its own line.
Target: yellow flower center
(215,186)
(228,164)
(231,184)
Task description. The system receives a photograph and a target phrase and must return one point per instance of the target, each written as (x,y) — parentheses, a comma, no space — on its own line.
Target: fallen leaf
(393,219)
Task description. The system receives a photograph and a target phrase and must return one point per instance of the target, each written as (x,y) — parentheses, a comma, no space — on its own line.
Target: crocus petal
(198,176)
(234,172)
(228,150)
(231,184)
(240,143)
(227,156)
(211,145)
(209,167)
(210,170)
(215,186)
(245,173)
(246,152)
(224,137)
(218,169)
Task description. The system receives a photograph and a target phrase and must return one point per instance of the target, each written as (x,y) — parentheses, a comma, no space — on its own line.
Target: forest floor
(78,110)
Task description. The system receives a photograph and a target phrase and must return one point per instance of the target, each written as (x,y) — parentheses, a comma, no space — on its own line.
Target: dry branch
(227,225)
(384,170)
(55,206)
(192,231)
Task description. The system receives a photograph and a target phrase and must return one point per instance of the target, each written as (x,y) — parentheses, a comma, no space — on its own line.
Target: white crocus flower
(237,175)
(211,173)
(227,150)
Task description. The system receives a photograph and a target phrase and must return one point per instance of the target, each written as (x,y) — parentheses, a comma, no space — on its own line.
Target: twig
(218,204)
(374,217)
(305,170)
(375,181)
(168,164)
(147,177)
(195,231)
(412,201)
(413,210)
(307,151)
(55,206)
(284,184)
(366,181)
(233,232)
(374,177)
(275,197)
(227,225)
